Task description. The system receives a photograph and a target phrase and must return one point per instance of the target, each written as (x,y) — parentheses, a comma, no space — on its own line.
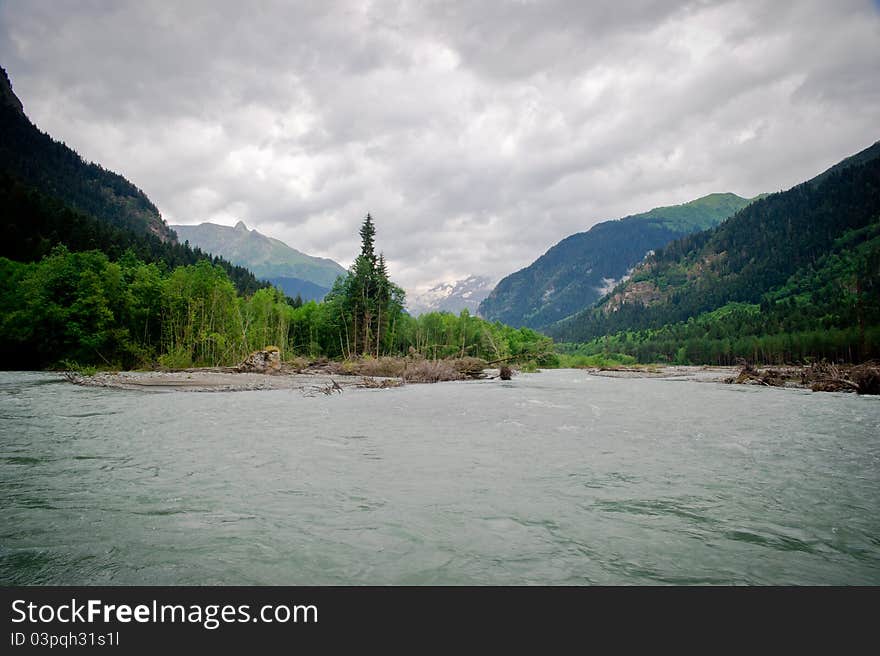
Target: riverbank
(225,380)
(263,371)
(696,373)
(818,377)
(330,377)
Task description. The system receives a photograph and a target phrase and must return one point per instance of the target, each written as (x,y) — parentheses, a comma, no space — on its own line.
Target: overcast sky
(478,134)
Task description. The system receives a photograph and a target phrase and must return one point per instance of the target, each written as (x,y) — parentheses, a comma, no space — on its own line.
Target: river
(552,478)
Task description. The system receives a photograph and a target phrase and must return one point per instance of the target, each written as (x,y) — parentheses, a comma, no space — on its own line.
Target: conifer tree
(368,301)
(368,236)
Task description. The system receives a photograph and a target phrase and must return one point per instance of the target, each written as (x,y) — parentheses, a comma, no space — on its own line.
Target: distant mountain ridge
(455,296)
(580,269)
(269,258)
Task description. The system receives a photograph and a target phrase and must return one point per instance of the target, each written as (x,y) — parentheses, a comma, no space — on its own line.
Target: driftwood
(471,367)
(330,388)
(861,378)
(818,376)
(750,375)
(265,361)
(867,377)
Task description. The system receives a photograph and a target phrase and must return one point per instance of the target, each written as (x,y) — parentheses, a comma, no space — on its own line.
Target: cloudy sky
(478,134)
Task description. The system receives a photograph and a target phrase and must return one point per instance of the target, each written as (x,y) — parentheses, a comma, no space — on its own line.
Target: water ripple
(557,478)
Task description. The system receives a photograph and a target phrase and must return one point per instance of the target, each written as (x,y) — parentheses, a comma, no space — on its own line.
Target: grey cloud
(477,133)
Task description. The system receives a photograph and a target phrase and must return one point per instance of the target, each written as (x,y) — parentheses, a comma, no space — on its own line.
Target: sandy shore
(314,383)
(677,372)
(819,377)
(220,380)
(323,381)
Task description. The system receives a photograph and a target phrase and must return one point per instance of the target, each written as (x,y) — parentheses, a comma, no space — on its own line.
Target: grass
(82,370)
(576,361)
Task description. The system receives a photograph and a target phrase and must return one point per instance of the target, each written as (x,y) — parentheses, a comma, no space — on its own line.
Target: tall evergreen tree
(368,236)
(368,302)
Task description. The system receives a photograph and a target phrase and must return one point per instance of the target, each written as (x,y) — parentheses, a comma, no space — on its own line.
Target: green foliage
(699,214)
(368,304)
(34,223)
(83,370)
(443,335)
(830,310)
(82,307)
(596,360)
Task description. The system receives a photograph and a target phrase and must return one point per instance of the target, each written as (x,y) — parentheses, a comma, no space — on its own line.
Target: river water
(552,478)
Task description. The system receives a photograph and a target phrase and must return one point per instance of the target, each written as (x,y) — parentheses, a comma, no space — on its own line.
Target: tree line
(87,308)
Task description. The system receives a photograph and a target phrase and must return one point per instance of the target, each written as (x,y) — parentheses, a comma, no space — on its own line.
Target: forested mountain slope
(577,271)
(39,161)
(269,258)
(50,196)
(779,242)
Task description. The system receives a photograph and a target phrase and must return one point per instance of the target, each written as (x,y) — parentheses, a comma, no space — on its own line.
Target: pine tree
(368,236)
(368,302)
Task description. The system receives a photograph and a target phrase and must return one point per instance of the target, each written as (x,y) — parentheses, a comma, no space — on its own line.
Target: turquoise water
(551,478)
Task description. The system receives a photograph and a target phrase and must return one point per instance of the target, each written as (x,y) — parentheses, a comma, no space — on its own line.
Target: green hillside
(699,214)
(268,258)
(577,271)
(804,263)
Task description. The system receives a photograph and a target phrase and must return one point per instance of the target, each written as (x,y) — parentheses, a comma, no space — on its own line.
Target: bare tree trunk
(345,326)
(378,330)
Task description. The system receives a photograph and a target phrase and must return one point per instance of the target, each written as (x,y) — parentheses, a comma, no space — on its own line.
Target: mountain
(465,294)
(766,256)
(40,162)
(580,269)
(8,99)
(270,259)
(50,196)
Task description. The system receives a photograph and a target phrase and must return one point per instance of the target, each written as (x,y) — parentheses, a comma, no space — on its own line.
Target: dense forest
(90,275)
(827,311)
(34,223)
(793,276)
(84,308)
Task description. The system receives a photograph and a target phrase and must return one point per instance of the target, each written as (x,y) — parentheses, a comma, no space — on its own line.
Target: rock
(267,361)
